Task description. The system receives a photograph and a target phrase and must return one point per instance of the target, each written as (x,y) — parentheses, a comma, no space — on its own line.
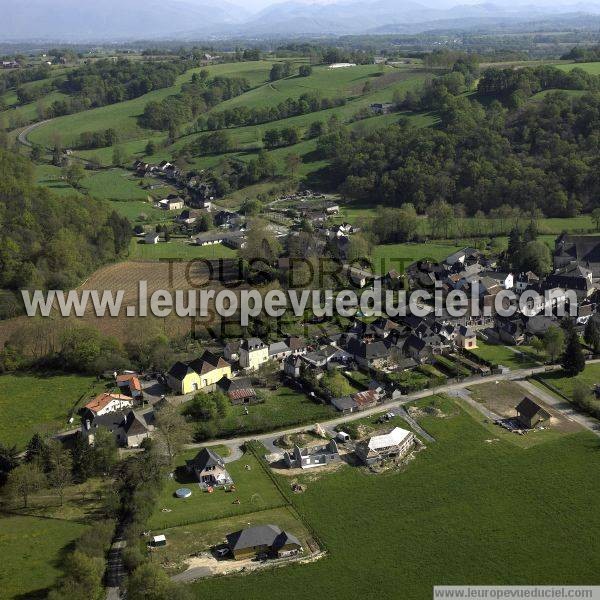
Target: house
(292,366)
(172,202)
(416,348)
(231,352)
(366,353)
(130,384)
(312,456)
(394,444)
(345,404)
(511,331)
(525,280)
(297,345)
(462,257)
(253,353)
(209,469)
(152,238)
(366,399)
(583,250)
(232,239)
(530,414)
(106,403)
(239,390)
(262,541)
(130,428)
(465,338)
(573,277)
(189,216)
(279,351)
(382,108)
(359,277)
(202,373)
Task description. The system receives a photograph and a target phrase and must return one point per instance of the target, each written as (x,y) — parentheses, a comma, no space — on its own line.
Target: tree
(24,480)
(36,451)
(82,579)
(105,451)
(573,360)
(293,161)
(359,248)
(554,341)
(36,153)
(592,335)
(73,173)
(441,217)
(9,459)
(150,582)
(336,384)
(150,148)
(536,257)
(119,158)
(537,344)
(172,430)
(60,464)
(305,70)
(202,407)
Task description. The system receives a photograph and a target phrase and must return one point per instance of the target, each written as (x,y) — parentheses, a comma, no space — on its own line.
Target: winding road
(22,137)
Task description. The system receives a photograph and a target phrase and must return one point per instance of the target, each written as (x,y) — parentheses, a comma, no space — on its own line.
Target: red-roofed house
(130,384)
(106,403)
(366,399)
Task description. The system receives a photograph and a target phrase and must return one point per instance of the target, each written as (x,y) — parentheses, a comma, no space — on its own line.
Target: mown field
(521,357)
(454,515)
(30,403)
(590,376)
(254,490)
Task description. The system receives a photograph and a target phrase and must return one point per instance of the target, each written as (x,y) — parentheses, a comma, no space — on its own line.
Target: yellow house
(253,353)
(199,374)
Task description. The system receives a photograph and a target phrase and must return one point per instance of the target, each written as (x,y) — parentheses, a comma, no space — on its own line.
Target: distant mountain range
(103,20)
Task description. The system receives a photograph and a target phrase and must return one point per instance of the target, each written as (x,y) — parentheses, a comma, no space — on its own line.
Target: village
(365,379)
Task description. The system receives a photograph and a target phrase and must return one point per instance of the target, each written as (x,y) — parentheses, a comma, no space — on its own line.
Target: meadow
(177,248)
(590,377)
(32,549)
(123,116)
(453,515)
(31,403)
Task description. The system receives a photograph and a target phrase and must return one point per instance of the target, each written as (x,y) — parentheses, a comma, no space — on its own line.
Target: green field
(521,357)
(454,515)
(30,403)
(123,116)
(592,67)
(253,489)
(400,256)
(177,248)
(590,376)
(32,549)
(283,407)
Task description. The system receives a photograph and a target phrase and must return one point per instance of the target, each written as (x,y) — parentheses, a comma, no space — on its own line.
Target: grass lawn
(592,67)
(115,184)
(254,490)
(590,376)
(521,357)
(133,209)
(32,549)
(177,248)
(400,256)
(183,542)
(283,407)
(49,176)
(452,516)
(30,403)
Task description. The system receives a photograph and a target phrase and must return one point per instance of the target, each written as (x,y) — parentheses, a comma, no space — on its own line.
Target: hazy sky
(260,4)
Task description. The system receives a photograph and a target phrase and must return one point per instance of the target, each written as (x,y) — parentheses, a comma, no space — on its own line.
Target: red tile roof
(132,380)
(102,400)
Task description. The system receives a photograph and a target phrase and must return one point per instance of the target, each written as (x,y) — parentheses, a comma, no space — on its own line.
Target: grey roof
(528,408)
(205,458)
(179,370)
(466,331)
(278,348)
(252,343)
(229,385)
(261,535)
(344,403)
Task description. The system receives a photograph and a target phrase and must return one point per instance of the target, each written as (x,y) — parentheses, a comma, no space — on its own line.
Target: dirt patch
(418,412)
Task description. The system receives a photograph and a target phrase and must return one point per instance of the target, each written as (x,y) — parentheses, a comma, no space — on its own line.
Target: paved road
(565,408)
(402,412)
(22,137)
(330,424)
(115,570)
(192,574)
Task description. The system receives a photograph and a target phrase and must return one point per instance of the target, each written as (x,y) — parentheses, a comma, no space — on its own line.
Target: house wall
(193,381)
(254,359)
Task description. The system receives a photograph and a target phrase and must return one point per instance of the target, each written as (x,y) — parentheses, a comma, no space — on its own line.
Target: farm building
(530,414)
(172,203)
(312,456)
(239,391)
(152,238)
(345,404)
(394,444)
(262,540)
(209,469)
